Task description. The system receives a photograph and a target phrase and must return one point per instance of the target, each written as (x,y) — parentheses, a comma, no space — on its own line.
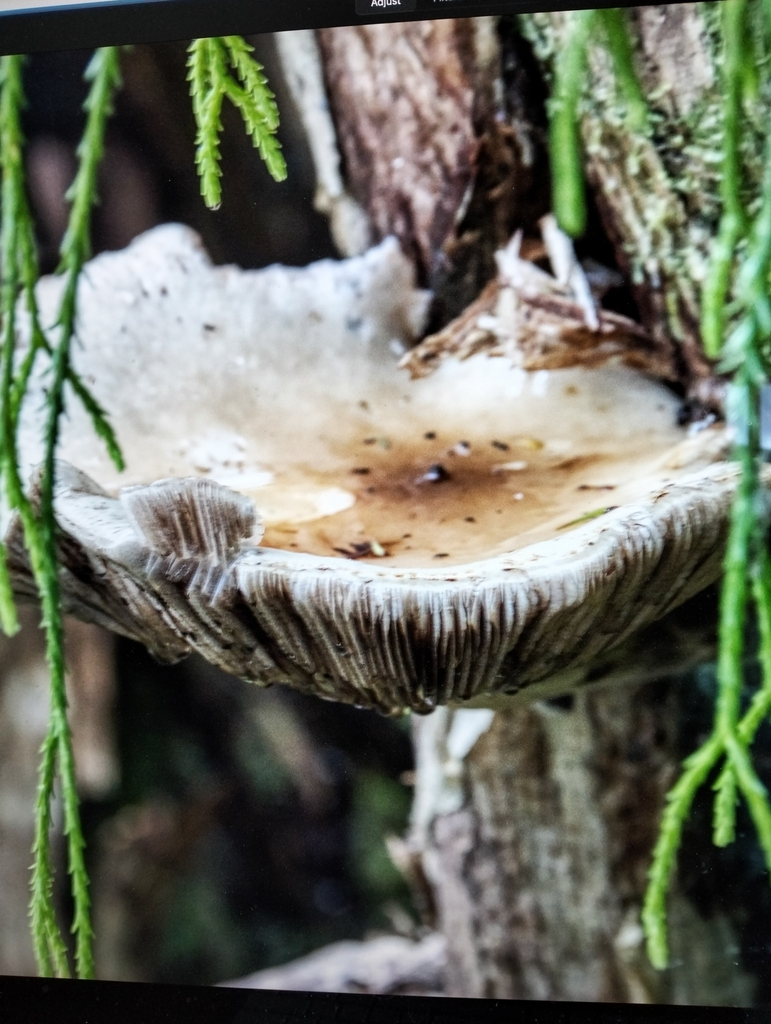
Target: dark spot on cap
(361,549)
(430,435)
(500,445)
(435,474)
(361,470)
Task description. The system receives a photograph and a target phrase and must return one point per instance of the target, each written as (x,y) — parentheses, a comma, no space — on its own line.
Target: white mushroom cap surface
(467,533)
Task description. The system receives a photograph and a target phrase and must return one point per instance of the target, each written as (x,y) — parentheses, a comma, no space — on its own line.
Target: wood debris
(529,317)
(363,549)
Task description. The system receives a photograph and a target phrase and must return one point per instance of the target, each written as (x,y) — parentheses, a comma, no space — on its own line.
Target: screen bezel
(126,22)
(42,1001)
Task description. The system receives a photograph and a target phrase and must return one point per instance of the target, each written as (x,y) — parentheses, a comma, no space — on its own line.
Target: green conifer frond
(20,273)
(210,83)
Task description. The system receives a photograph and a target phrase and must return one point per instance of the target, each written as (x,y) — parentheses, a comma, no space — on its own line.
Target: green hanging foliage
(735,302)
(210,84)
(20,273)
(568,191)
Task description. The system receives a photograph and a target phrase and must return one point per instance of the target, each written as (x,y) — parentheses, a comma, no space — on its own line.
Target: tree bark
(533,827)
(536,844)
(427,148)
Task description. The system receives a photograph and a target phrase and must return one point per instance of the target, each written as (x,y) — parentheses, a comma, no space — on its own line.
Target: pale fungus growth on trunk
(426,541)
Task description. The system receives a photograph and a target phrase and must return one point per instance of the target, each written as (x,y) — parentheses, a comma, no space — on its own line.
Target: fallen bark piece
(536,322)
(387,965)
(276,396)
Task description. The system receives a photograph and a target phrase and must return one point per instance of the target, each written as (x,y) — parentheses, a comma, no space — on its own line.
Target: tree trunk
(533,827)
(536,844)
(428,149)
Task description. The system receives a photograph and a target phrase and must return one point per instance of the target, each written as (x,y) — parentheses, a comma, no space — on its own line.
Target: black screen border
(123,22)
(44,1001)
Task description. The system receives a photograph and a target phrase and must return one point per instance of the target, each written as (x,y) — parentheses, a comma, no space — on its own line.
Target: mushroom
(298,510)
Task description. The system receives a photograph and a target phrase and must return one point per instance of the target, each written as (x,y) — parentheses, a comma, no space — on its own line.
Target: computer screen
(384,418)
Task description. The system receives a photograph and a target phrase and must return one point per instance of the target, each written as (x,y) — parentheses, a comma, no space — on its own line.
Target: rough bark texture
(426,151)
(538,865)
(402,81)
(441,130)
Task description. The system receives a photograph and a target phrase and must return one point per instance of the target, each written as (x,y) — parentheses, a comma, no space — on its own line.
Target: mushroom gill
(468,533)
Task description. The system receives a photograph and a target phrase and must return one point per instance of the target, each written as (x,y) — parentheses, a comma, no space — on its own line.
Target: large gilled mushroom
(426,541)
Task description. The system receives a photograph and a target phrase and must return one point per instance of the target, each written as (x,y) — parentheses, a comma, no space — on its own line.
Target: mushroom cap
(469,533)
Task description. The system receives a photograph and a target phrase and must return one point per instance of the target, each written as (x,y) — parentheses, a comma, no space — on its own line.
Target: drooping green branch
(731,735)
(11,143)
(747,574)
(746,563)
(568,187)
(49,945)
(618,44)
(733,222)
(104,75)
(210,84)
(39,527)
